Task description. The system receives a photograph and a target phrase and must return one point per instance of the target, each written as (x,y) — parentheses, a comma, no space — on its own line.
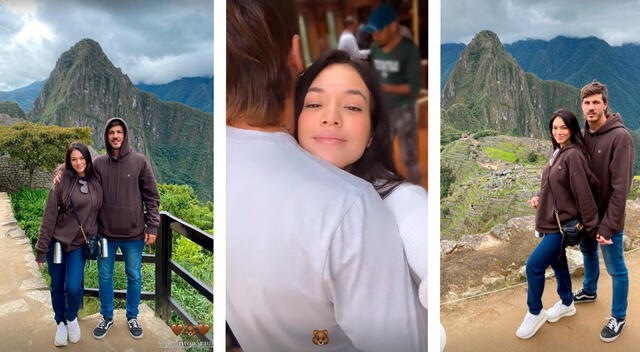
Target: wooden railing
(164,266)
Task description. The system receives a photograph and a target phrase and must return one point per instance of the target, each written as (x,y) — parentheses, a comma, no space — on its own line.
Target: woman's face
(335,121)
(560,131)
(77,162)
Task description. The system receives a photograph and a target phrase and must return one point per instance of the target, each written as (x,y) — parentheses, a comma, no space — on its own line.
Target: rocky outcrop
(493,181)
(482,262)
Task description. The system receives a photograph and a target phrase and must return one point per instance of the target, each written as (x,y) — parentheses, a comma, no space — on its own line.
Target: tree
(39,146)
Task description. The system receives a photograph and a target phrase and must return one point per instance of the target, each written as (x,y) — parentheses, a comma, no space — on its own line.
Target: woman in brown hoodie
(566,186)
(81,189)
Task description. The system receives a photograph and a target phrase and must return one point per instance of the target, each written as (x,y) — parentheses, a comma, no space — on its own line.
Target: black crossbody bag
(91,248)
(572,230)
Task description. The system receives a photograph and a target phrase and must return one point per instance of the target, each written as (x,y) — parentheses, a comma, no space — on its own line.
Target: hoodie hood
(124,149)
(613,121)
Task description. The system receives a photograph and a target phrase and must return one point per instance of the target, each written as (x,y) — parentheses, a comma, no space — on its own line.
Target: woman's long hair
(570,120)
(376,164)
(70,176)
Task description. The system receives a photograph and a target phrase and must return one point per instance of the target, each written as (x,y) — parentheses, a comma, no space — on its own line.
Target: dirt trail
(489,323)
(26,316)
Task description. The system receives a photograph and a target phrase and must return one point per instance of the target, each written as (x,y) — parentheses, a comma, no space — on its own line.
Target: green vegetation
(485,133)
(513,153)
(38,146)
(180,201)
(448,133)
(446,179)
(12,109)
(634,191)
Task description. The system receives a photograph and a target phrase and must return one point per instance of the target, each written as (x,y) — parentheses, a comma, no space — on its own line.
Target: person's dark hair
(348,21)
(114,123)
(376,164)
(69,175)
(571,122)
(259,35)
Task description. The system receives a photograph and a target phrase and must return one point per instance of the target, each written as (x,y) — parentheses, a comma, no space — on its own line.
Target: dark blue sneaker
(581,296)
(102,329)
(612,330)
(135,330)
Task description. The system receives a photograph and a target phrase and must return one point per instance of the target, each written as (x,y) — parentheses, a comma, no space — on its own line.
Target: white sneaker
(74,330)
(61,335)
(531,324)
(559,310)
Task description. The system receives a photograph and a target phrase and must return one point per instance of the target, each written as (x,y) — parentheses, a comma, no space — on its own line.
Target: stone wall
(12,176)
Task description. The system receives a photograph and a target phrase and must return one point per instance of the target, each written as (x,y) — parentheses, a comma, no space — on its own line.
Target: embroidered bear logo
(320,337)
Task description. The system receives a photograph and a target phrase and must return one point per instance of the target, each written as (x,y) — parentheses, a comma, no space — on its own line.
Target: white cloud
(151,41)
(513,20)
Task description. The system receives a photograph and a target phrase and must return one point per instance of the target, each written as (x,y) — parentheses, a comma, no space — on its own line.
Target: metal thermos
(57,253)
(104,248)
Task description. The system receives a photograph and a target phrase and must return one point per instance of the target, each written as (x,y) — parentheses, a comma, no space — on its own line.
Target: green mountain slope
(577,61)
(487,89)
(85,89)
(23,96)
(196,92)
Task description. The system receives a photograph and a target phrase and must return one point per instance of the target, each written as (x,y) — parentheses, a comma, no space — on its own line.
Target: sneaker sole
(60,344)
(103,336)
(136,337)
(565,314)
(610,339)
(535,330)
(578,301)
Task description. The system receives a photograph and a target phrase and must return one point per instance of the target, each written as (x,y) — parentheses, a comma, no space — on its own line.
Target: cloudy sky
(154,41)
(614,21)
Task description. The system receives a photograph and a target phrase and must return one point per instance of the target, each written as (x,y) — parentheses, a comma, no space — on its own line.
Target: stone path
(26,316)
(489,323)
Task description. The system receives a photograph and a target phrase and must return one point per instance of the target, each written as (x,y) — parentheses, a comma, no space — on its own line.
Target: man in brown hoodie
(612,157)
(129,188)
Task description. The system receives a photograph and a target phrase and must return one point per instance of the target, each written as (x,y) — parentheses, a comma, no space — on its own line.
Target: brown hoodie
(612,157)
(129,188)
(568,179)
(58,220)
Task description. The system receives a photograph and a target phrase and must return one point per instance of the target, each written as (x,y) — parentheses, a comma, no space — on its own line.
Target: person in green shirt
(397,61)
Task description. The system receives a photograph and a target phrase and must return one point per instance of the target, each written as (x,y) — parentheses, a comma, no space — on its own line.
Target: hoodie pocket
(118,220)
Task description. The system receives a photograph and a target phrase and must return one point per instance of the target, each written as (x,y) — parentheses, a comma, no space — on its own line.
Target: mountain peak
(487,89)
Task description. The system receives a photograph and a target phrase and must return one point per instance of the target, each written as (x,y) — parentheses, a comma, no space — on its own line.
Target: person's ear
(295,56)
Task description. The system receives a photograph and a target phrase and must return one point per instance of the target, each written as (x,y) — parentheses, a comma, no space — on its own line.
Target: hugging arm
(366,277)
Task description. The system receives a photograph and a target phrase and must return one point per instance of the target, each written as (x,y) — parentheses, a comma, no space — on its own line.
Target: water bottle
(104,248)
(57,253)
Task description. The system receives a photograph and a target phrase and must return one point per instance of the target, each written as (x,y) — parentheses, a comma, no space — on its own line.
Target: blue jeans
(614,261)
(132,253)
(547,253)
(66,283)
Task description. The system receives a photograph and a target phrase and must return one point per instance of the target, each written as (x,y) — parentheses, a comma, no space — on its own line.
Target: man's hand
(149,238)
(41,265)
(534,202)
(603,240)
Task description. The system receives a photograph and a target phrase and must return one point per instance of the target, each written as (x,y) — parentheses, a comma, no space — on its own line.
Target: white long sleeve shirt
(311,247)
(408,204)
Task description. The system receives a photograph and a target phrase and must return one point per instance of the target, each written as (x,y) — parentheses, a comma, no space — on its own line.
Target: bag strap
(555,207)
(78,219)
